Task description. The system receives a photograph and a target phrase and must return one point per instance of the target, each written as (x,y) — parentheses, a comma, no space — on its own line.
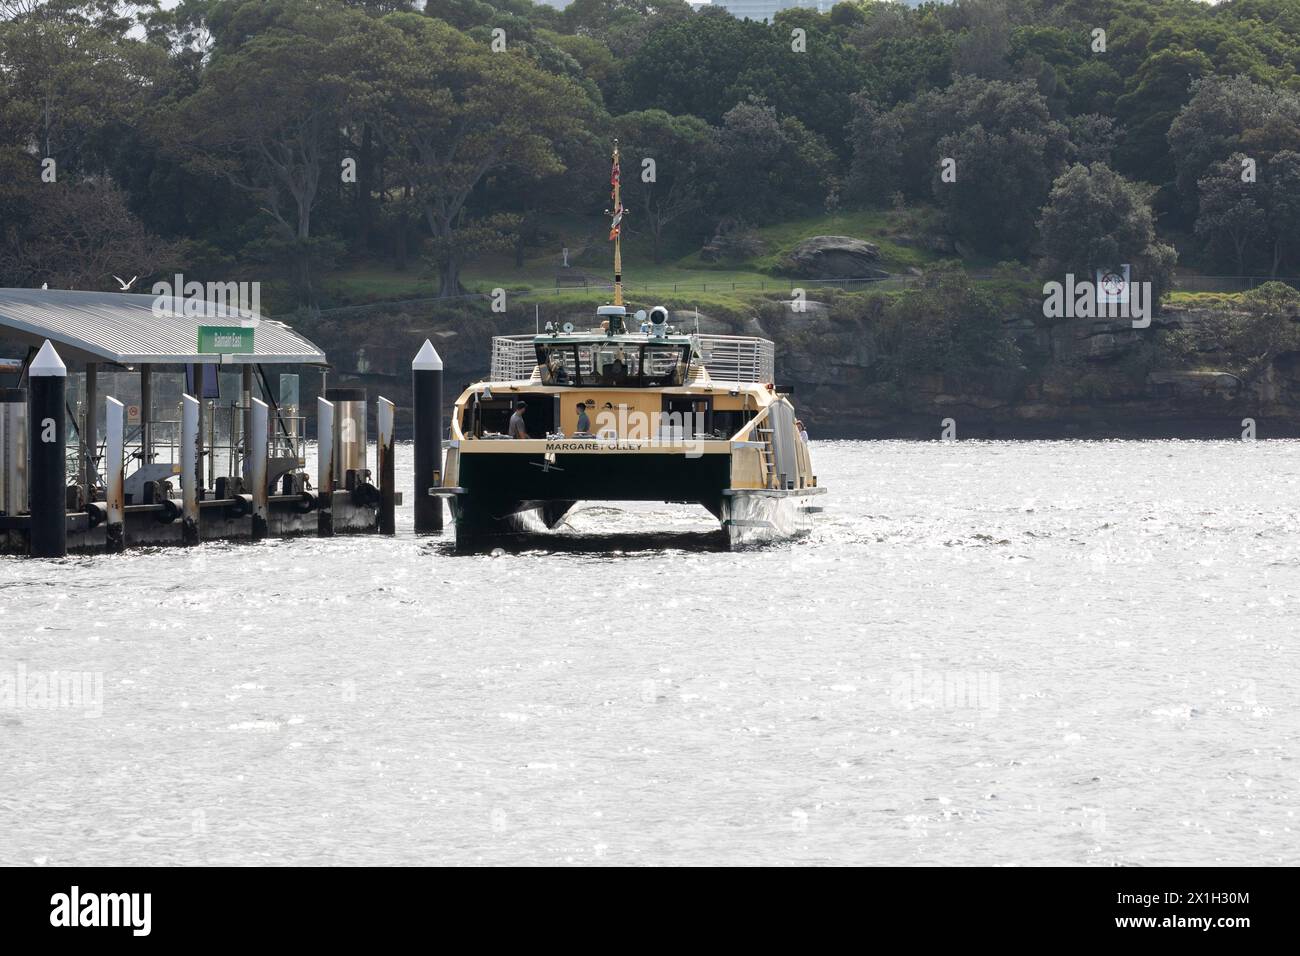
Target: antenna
(537,317)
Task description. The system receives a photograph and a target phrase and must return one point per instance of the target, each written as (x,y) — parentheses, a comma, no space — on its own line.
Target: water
(987,653)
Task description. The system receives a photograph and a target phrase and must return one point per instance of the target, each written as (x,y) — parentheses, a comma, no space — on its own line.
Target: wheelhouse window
(612,364)
(664,365)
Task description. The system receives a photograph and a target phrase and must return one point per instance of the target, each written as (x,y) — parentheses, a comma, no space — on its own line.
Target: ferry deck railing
(513,358)
(737,358)
(728,358)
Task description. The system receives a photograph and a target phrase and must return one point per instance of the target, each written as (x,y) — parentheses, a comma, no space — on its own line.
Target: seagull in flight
(126,285)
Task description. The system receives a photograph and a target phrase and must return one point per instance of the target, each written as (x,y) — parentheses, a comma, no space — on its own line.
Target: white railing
(737,358)
(728,358)
(513,358)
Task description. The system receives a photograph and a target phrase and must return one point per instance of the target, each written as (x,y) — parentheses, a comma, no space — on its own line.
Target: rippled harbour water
(987,653)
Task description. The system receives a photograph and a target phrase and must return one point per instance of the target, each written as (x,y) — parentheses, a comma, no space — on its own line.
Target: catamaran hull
(761,517)
(506,495)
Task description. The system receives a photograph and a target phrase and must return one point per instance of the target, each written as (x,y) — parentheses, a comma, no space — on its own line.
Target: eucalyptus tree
(265,118)
(450,111)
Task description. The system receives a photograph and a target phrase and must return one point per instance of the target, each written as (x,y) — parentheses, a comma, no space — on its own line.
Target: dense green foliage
(286,139)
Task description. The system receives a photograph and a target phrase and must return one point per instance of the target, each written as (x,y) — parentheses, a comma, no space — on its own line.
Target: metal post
(13,451)
(198,425)
(115,467)
(384,452)
(324,467)
(255,455)
(245,402)
(426,379)
(190,458)
(90,430)
(48,444)
(146,414)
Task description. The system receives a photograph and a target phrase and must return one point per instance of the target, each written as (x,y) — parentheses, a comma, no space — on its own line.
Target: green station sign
(225,340)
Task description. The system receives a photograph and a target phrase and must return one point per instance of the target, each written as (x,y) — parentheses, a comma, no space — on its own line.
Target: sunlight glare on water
(986,653)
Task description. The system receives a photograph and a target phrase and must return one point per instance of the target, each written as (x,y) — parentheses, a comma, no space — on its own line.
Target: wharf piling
(48,447)
(191,458)
(426,378)
(325,467)
(387,518)
(259,418)
(115,466)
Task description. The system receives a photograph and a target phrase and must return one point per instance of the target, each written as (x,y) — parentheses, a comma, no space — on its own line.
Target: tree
(1227,115)
(679,148)
(450,111)
(875,136)
(78,236)
(1092,137)
(67,76)
(1095,219)
(266,118)
(1231,217)
(767,166)
(1159,90)
(1006,148)
(1282,205)
(704,65)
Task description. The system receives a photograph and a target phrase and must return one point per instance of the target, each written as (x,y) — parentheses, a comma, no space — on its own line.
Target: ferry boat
(631,409)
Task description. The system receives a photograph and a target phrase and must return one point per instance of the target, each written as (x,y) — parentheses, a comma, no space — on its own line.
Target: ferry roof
(125,330)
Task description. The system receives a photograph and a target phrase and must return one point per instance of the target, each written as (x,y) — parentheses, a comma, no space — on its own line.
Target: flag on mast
(614,176)
(616,228)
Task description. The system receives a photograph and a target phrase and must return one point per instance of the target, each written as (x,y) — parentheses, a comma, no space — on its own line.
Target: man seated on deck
(517,429)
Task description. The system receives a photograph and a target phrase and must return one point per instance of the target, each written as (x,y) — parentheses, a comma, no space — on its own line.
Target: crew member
(517,429)
(584,423)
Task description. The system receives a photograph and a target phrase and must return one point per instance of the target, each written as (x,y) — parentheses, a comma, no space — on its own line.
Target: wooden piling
(255,449)
(89,431)
(324,467)
(115,471)
(13,451)
(387,518)
(191,455)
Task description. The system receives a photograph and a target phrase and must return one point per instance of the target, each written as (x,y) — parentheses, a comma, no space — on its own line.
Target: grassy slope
(592,255)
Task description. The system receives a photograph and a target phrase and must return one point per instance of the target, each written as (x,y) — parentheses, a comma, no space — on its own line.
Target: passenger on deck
(616,372)
(803,432)
(517,429)
(584,423)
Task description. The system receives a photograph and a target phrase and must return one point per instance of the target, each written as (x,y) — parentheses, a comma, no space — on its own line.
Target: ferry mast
(616,227)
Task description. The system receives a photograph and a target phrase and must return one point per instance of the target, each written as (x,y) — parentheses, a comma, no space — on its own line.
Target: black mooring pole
(48,443)
(426,380)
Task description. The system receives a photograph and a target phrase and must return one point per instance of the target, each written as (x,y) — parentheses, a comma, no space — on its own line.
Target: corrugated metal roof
(128,330)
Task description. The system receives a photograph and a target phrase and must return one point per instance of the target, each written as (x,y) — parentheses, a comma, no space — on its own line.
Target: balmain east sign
(225,340)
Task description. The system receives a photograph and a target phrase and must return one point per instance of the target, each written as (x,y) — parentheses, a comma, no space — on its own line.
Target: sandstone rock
(833,257)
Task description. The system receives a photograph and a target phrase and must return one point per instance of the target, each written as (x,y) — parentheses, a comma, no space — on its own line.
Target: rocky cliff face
(1089,378)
